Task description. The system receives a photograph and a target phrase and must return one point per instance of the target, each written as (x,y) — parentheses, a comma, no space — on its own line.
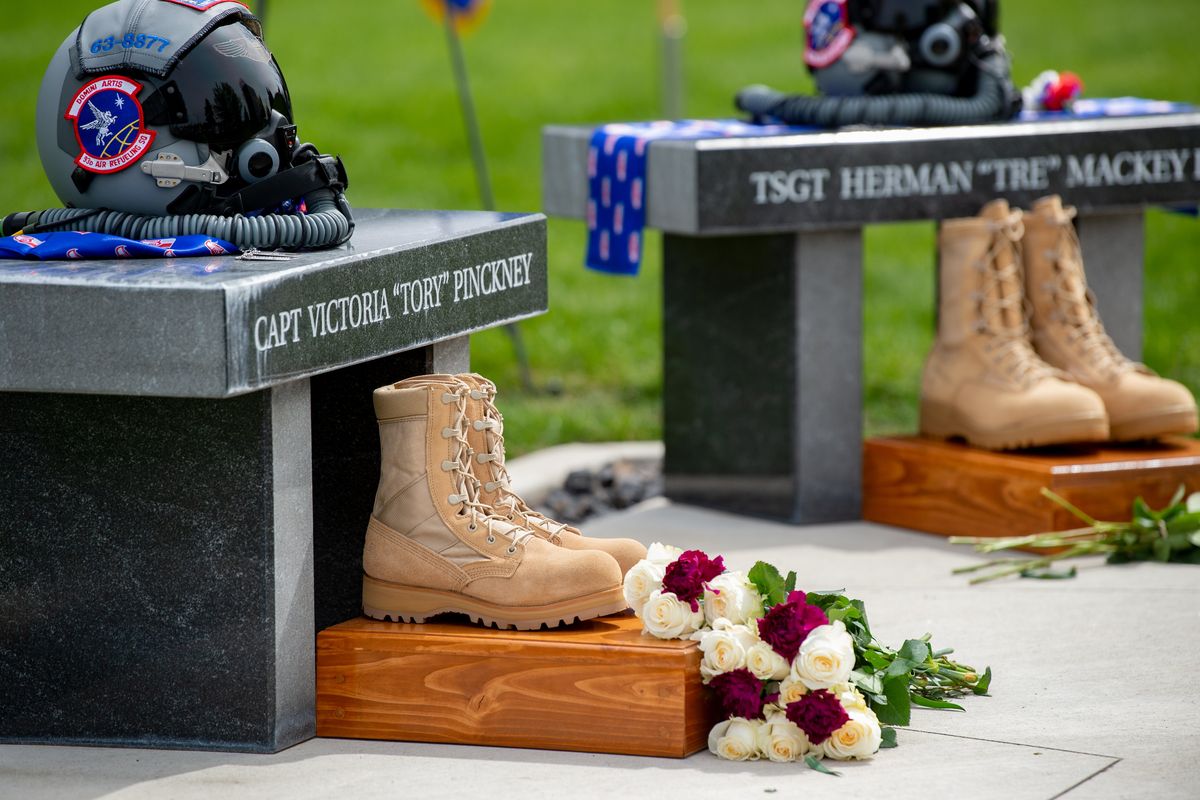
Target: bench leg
(156,570)
(762,395)
(157,556)
(1114,246)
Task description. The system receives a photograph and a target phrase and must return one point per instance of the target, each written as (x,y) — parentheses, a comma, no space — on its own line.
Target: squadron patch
(109,124)
(827,32)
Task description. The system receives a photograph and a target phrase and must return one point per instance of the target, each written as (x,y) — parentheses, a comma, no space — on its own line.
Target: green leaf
(862,615)
(790,583)
(827,600)
(1177,497)
(835,614)
(1184,523)
(1194,538)
(814,763)
(870,683)
(769,582)
(888,739)
(915,650)
(900,666)
(898,710)
(876,659)
(1143,515)
(1049,573)
(1162,550)
(926,702)
(981,685)
(1180,541)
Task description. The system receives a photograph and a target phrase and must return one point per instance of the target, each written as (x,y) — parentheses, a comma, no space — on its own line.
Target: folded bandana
(77,245)
(616,210)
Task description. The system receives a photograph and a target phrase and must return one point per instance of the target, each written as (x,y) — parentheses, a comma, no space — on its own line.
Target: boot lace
(1075,305)
(465,483)
(492,426)
(1001,311)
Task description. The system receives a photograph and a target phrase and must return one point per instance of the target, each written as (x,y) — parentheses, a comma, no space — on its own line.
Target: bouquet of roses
(798,676)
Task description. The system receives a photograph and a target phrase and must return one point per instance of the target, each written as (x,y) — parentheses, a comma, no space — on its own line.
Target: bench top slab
(800,181)
(221,326)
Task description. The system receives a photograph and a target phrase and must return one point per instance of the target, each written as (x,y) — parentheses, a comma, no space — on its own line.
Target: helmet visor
(228,84)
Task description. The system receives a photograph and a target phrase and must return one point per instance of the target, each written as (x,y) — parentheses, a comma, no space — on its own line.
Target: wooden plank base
(956,490)
(597,686)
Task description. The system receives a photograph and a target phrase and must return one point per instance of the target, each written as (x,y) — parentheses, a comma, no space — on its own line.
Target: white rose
(826,657)
(724,648)
(640,582)
(731,596)
(662,554)
(791,690)
(859,738)
(735,739)
(666,617)
(765,663)
(780,740)
(850,697)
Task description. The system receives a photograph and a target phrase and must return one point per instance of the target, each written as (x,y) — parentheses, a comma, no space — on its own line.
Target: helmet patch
(827,32)
(109,124)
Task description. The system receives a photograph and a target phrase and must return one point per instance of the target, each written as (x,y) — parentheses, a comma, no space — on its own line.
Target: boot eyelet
(472,527)
(509,517)
(512,549)
(491,539)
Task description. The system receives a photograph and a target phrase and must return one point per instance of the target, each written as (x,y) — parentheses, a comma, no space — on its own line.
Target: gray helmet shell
(128,123)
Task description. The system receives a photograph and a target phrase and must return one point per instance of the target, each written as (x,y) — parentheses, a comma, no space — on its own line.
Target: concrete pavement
(1093,695)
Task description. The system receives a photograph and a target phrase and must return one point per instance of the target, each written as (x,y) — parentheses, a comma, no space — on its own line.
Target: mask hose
(994,99)
(328,223)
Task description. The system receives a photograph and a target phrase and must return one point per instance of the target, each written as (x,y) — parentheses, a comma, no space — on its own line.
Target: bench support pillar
(158,556)
(762,395)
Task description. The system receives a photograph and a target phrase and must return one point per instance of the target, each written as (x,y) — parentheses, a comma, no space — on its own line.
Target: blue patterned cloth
(616,210)
(617,191)
(76,245)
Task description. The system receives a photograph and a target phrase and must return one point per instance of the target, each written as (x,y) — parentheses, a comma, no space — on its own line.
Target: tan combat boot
(982,380)
(1067,333)
(432,547)
(486,435)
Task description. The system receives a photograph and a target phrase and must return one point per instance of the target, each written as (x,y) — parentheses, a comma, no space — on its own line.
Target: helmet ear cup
(256,160)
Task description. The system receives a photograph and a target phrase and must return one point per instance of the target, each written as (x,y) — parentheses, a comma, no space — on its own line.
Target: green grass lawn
(371,81)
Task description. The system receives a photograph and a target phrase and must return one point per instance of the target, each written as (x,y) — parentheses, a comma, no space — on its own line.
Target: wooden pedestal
(599,686)
(956,490)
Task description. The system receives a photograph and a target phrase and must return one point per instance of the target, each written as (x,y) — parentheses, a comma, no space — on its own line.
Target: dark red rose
(787,625)
(818,714)
(686,576)
(739,693)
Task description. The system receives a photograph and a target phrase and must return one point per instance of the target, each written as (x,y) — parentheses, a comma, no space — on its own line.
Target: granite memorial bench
(762,272)
(188,457)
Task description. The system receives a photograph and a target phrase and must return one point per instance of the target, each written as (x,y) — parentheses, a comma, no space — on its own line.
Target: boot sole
(1179,420)
(395,602)
(942,422)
